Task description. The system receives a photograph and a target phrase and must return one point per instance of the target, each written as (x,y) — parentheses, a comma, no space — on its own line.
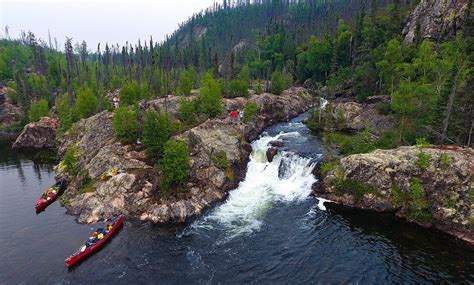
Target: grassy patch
(87,184)
(423,160)
(88,188)
(220,160)
(350,186)
(444,160)
(418,210)
(229,173)
(362,142)
(328,166)
(399,198)
(70,161)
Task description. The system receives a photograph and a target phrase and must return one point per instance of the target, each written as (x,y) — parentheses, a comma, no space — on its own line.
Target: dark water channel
(269,230)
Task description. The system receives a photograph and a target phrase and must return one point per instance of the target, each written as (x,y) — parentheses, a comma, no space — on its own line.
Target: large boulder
(354,117)
(169,104)
(435,19)
(38,135)
(133,191)
(431,186)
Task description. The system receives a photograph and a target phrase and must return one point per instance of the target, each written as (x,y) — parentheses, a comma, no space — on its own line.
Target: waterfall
(288,179)
(323,103)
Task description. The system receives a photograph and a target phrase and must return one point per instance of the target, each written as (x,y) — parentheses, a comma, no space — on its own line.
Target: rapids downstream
(269,230)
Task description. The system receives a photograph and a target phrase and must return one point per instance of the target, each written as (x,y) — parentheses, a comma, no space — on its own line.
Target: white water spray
(323,103)
(285,180)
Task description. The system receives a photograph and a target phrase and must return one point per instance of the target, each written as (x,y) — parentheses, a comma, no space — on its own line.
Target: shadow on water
(421,250)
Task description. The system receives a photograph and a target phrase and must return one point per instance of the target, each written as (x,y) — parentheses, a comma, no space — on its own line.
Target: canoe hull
(76,258)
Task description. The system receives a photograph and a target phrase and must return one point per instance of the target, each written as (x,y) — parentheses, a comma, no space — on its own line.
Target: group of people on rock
(97,236)
(236,117)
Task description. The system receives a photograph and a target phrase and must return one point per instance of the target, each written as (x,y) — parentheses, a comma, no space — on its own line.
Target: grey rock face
(38,135)
(134,191)
(434,19)
(439,194)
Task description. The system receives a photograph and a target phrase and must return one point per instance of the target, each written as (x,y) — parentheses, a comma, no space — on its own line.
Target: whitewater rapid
(287,179)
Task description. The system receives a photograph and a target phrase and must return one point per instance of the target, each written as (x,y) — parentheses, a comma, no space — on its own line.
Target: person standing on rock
(234,117)
(241,116)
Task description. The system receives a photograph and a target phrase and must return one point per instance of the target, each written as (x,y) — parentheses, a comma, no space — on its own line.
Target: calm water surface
(269,230)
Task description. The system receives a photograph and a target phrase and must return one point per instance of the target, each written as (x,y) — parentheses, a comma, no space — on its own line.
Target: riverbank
(427,185)
(219,156)
(365,168)
(295,240)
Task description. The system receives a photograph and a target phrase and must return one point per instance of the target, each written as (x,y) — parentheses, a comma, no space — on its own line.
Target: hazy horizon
(101,21)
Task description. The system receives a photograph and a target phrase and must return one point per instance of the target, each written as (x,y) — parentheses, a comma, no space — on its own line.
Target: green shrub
(238,88)
(423,160)
(125,125)
(38,109)
(86,103)
(130,93)
(328,166)
(220,160)
(444,160)
(174,166)
(187,111)
(387,140)
(362,142)
(65,112)
(422,143)
(156,132)
(399,199)
(13,95)
(356,188)
(185,84)
(209,100)
(384,108)
(87,185)
(278,83)
(250,111)
(258,86)
(418,210)
(70,160)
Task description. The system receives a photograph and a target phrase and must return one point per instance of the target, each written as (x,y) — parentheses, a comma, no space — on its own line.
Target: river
(269,230)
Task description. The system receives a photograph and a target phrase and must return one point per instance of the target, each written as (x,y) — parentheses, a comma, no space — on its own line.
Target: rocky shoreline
(431,186)
(133,191)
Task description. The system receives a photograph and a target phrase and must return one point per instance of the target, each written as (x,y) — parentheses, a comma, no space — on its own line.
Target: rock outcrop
(38,135)
(352,117)
(133,191)
(10,114)
(430,186)
(435,19)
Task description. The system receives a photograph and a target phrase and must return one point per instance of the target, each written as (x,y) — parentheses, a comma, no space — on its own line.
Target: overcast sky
(112,21)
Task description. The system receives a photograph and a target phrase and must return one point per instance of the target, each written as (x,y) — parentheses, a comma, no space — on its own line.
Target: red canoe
(42,204)
(81,255)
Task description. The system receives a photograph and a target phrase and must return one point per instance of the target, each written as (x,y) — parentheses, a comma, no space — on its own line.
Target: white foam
(246,206)
(323,102)
(321,202)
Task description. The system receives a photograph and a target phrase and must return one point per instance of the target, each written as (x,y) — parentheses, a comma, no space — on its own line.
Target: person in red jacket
(234,117)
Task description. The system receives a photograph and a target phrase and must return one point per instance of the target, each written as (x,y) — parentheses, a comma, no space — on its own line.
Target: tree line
(241,44)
